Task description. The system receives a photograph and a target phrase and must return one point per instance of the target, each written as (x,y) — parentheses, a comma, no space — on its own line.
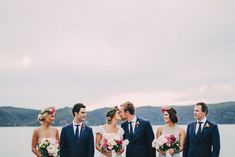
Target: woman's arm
(98,139)
(34,143)
(158,134)
(181,139)
(57,135)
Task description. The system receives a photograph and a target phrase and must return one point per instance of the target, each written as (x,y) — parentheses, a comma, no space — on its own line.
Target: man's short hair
(128,106)
(77,107)
(204,107)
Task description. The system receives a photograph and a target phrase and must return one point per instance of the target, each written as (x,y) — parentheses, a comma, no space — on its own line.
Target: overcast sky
(103,52)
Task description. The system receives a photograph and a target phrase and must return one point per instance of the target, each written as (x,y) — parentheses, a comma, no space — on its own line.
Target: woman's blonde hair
(46,112)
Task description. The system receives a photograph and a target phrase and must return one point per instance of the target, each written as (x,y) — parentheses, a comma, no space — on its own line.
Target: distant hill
(221,113)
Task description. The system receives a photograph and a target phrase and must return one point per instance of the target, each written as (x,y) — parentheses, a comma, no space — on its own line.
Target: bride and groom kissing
(136,132)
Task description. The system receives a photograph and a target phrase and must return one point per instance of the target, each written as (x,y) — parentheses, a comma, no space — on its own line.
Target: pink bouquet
(49,147)
(110,142)
(165,142)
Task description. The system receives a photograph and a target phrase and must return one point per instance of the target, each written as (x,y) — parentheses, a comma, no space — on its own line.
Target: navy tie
(131,130)
(77,131)
(199,129)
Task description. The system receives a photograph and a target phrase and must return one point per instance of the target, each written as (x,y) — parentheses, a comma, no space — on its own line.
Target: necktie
(77,131)
(199,129)
(131,130)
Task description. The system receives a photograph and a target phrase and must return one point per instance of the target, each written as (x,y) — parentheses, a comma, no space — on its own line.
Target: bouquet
(165,142)
(112,143)
(49,147)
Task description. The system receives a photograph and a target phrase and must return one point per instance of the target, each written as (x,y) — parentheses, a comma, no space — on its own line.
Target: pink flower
(165,142)
(52,110)
(111,141)
(165,108)
(170,139)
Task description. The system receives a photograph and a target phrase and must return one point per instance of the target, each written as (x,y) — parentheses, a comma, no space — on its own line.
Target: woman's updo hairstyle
(45,112)
(110,114)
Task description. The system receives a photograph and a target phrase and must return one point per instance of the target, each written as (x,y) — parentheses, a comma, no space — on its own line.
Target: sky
(103,53)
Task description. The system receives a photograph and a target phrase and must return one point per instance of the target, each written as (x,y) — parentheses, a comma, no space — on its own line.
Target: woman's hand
(108,154)
(162,152)
(171,151)
(119,152)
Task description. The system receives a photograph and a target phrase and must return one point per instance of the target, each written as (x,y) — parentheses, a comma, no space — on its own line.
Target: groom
(202,137)
(77,139)
(138,131)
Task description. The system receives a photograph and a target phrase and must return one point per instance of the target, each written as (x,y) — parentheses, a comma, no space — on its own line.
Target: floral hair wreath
(46,112)
(50,110)
(165,108)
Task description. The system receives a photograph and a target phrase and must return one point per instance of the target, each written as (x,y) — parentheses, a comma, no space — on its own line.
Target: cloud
(13,62)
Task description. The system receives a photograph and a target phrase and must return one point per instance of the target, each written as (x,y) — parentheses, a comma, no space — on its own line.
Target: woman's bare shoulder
(181,130)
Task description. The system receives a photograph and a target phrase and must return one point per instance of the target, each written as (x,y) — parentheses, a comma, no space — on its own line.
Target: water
(16,141)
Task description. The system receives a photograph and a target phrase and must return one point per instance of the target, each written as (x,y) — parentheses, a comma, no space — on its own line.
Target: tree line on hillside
(221,113)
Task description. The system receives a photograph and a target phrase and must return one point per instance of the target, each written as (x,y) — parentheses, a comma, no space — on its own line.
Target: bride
(110,130)
(45,132)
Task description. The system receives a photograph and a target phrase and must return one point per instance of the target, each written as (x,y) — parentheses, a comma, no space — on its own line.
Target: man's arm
(216,142)
(124,135)
(91,144)
(150,138)
(186,143)
(62,143)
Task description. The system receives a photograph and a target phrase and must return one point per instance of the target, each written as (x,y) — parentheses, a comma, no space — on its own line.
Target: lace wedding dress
(102,131)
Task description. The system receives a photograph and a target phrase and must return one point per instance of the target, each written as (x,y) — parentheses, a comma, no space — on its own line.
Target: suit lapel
(126,129)
(194,131)
(137,125)
(83,128)
(71,131)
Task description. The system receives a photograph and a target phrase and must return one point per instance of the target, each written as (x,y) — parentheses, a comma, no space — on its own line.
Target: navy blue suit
(206,145)
(141,143)
(70,146)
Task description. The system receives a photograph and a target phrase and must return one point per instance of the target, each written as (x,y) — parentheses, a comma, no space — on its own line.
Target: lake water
(16,141)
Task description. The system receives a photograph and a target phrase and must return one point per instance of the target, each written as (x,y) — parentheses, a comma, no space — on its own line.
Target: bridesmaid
(45,130)
(171,119)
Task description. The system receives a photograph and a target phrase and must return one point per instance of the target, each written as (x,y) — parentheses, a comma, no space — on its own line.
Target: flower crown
(165,108)
(46,112)
(50,110)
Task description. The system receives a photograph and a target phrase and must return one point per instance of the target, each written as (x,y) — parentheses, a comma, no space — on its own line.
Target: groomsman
(202,136)
(139,132)
(76,138)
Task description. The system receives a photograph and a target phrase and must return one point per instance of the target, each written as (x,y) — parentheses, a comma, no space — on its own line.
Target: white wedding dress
(120,133)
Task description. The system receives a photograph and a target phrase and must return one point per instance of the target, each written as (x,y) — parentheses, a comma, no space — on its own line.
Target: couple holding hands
(135,137)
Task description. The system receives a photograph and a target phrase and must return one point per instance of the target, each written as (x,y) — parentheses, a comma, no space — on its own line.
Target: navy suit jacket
(141,143)
(208,143)
(76,147)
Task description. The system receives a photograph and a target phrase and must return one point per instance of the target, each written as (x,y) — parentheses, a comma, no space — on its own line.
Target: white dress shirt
(133,123)
(79,128)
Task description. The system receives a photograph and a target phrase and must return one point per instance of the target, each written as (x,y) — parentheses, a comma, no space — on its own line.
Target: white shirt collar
(80,124)
(203,120)
(134,119)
